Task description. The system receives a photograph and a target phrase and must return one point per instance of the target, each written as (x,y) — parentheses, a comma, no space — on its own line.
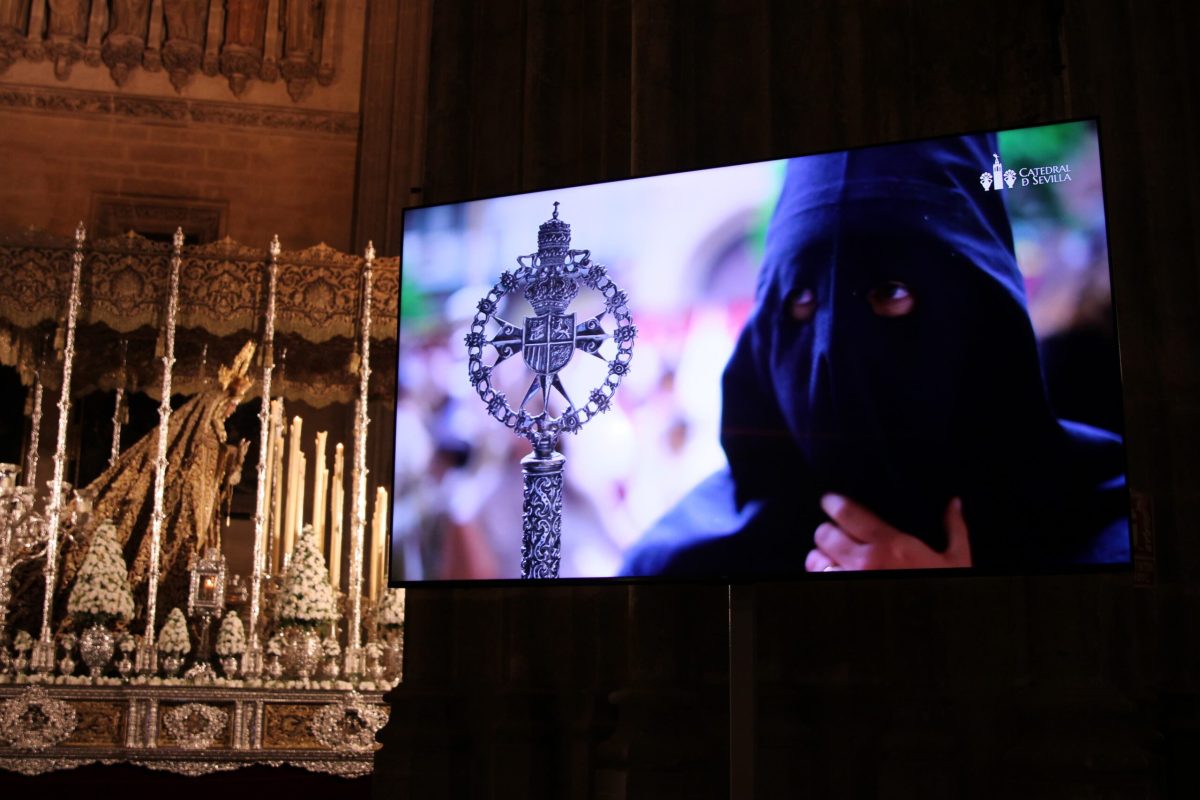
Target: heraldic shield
(549,342)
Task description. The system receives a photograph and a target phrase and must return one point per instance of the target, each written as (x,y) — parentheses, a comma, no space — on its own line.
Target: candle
(320,489)
(295,485)
(384,510)
(269,510)
(301,470)
(335,518)
(378,523)
(277,499)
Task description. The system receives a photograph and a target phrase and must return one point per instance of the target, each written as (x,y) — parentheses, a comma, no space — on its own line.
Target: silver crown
(554,240)
(551,293)
(551,290)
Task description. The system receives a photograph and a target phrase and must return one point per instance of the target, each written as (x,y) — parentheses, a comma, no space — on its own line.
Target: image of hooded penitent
(900,413)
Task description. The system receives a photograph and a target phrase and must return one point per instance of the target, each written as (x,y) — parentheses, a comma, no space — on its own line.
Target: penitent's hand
(857,540)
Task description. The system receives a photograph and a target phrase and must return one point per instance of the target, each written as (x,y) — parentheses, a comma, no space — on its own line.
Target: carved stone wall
(237,41)
(286,171)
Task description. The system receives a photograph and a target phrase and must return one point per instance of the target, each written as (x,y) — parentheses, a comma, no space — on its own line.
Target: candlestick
(277,514)
(268,483)
(117,415)
(335,519)
(358,476)
(252,659)
(147,657)
(35,425)
(43,651)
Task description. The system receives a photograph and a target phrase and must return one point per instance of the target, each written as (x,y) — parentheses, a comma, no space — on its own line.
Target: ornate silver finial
(275,249)
(547,340)
(80,233)
(177,240)
(369,254)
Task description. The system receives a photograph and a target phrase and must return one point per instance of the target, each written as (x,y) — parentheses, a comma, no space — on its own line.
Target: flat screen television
(900,357)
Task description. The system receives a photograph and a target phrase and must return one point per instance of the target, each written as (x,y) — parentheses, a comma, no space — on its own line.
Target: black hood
(903,413)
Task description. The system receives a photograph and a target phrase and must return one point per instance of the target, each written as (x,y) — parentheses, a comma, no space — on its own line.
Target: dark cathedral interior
(320,122)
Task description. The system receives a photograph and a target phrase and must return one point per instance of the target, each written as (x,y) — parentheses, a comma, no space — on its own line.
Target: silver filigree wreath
(195,726)
(349,726)
(34,721)
(549,280)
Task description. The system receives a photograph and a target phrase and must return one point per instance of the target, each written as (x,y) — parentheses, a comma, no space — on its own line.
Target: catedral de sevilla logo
(1000,178)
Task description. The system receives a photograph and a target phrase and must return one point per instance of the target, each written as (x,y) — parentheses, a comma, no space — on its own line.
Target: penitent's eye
(891,299)
(801,305)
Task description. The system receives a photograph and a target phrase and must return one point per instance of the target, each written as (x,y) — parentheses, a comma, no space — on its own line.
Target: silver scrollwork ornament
(35,721)
(349,726)
(550,280)
(195,726)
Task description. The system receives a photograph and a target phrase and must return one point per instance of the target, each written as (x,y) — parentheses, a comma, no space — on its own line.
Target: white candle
(335,518)
(277,501)
(294,487)
(378,524)
(320,489)
(301,470)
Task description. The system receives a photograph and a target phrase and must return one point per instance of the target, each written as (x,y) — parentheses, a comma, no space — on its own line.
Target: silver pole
(147,657)
(358,515)
(43,652)
(252,659)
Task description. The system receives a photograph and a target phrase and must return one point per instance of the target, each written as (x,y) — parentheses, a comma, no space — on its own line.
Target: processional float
(292,661)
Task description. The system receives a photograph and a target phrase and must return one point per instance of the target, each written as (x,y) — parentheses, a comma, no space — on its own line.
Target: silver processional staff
(549,280)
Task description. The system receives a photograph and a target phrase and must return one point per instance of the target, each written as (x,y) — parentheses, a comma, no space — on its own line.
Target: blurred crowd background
(686,248)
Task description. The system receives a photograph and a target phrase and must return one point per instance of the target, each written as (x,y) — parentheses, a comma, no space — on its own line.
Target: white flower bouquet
(306,600)
(391,609)
(101,593)
(173,638)
(128,643)
(231,638)
(22,642)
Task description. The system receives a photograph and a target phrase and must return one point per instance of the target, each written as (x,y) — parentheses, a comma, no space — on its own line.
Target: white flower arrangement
(173,638)
(391,609)
(307,599)
(22,641)
(330,647)
(128,643)
(101,593)
(275,646)
(231,639)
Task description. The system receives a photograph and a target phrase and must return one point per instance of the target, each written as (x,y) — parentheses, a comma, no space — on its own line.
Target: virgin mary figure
(202,467)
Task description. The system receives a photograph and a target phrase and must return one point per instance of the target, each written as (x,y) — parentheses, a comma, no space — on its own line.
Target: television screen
(899,357)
